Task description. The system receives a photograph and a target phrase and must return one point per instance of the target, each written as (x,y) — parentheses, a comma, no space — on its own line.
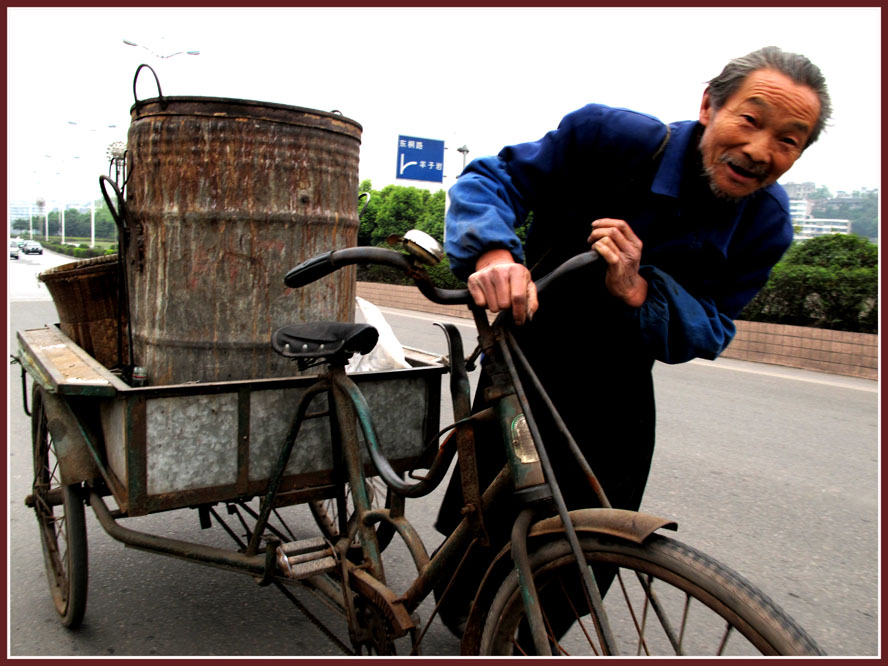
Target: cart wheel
(326,515)
(62,523)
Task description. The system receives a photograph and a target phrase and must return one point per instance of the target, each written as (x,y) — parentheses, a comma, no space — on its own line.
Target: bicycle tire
(671,567)
(62,527)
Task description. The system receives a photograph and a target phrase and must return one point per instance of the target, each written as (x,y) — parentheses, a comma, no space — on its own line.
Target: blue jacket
(704,258)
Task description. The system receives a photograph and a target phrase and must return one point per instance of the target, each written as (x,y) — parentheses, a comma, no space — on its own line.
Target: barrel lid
(222,107)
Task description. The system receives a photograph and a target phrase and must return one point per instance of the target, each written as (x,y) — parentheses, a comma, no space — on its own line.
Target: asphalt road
(773,471)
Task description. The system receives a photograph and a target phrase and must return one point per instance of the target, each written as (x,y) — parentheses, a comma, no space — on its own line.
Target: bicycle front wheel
(664,598)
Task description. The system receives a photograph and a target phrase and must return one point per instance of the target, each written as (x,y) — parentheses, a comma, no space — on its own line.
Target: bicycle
(555,556)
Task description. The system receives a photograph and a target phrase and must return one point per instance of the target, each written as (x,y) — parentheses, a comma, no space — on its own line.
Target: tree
(432,219)
(821,193)
(835,251)
(395,210)
(399,211)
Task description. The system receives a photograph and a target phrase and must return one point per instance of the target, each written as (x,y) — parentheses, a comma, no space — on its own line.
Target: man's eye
(789,141)
(748,118)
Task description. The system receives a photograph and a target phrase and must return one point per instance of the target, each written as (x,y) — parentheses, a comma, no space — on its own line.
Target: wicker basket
(85,295)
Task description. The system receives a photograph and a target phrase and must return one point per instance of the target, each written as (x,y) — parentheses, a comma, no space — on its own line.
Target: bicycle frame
(528,475)
(528,470)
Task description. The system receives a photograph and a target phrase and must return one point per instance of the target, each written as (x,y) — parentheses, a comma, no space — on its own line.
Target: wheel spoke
(639,630)
(579,618)
(517,646)
(551,634)
(729,628)
(660,611)
(684,619)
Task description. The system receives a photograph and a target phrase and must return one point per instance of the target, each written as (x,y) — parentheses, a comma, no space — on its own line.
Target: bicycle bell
(420,245)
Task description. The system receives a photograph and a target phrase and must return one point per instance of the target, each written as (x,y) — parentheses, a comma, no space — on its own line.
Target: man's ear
(706,110)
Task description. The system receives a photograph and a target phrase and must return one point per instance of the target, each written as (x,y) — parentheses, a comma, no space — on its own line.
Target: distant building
(808,227)
(799,190)
(799,209)
(811,227)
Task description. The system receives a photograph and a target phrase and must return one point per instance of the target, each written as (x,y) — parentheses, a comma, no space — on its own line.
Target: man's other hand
(618,245)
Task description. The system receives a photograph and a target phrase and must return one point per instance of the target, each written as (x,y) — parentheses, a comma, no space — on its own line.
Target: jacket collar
(667,180)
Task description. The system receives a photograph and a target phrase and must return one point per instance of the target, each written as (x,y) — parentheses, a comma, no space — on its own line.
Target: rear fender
(630,525)
(76,462)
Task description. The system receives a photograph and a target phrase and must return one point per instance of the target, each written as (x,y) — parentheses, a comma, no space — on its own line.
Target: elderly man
(688,218)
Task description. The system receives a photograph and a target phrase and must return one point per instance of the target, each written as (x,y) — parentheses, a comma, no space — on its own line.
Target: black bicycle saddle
(323,339)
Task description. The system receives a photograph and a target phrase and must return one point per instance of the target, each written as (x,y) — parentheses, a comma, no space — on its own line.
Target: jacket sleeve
(484,210)
(677,326)
(494,194)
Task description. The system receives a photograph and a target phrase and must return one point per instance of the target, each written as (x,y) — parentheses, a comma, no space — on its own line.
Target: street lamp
(116,155)
(88,145)
(157,55)
(465,151)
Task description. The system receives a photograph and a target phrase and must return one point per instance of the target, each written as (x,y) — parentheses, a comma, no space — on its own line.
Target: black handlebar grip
(310,270)
(576,262)
(324,264)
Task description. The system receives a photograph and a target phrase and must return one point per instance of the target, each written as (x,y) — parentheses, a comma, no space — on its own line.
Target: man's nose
(758,148)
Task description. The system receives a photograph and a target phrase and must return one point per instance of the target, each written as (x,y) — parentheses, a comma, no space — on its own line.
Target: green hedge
(825,282)
(82,251)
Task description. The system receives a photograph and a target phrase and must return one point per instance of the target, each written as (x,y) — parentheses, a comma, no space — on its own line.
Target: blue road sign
(420,159)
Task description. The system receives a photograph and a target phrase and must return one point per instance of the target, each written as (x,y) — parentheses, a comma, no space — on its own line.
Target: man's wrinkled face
(758,134)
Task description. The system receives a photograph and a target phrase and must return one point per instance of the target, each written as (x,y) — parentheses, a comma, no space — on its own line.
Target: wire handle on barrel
(119,212)
(120,220)
(156,80)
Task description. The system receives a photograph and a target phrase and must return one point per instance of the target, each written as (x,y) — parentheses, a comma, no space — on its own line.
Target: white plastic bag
(388,354)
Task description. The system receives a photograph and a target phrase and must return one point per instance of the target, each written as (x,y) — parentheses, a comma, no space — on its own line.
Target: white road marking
(764,370)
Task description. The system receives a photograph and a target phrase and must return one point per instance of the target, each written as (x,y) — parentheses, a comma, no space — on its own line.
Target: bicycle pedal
(307,557)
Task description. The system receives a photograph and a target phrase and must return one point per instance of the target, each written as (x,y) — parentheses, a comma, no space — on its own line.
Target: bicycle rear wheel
(62,525)
(666,598)
(326,515)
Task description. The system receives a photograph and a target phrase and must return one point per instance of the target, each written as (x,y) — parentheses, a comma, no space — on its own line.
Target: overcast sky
(483,78)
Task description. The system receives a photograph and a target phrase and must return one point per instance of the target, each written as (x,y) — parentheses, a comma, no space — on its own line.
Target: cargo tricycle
(325,438)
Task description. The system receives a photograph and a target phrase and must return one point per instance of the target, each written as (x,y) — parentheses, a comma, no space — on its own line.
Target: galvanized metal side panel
(400,407)
(271,413)
(183,445)
(192,442)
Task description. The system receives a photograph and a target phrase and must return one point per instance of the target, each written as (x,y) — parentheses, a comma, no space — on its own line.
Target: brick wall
(838,352)
(407,298)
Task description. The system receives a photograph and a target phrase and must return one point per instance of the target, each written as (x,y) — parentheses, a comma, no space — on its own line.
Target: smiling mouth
(746,174)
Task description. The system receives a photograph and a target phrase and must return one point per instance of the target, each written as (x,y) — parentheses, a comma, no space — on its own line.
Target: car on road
(13,249)
(32,247)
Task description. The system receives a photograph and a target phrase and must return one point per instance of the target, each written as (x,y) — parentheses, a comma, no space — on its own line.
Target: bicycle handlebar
(329,262)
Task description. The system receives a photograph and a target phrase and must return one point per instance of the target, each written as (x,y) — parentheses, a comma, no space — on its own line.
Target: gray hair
(796,67)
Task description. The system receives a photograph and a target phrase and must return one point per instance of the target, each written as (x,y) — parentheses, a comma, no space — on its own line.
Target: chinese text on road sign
(420,159)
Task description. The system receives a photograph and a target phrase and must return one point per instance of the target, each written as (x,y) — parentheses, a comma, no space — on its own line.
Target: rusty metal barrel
(223,197)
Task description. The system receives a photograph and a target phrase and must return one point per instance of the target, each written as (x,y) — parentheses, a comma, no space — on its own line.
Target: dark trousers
(599,377)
